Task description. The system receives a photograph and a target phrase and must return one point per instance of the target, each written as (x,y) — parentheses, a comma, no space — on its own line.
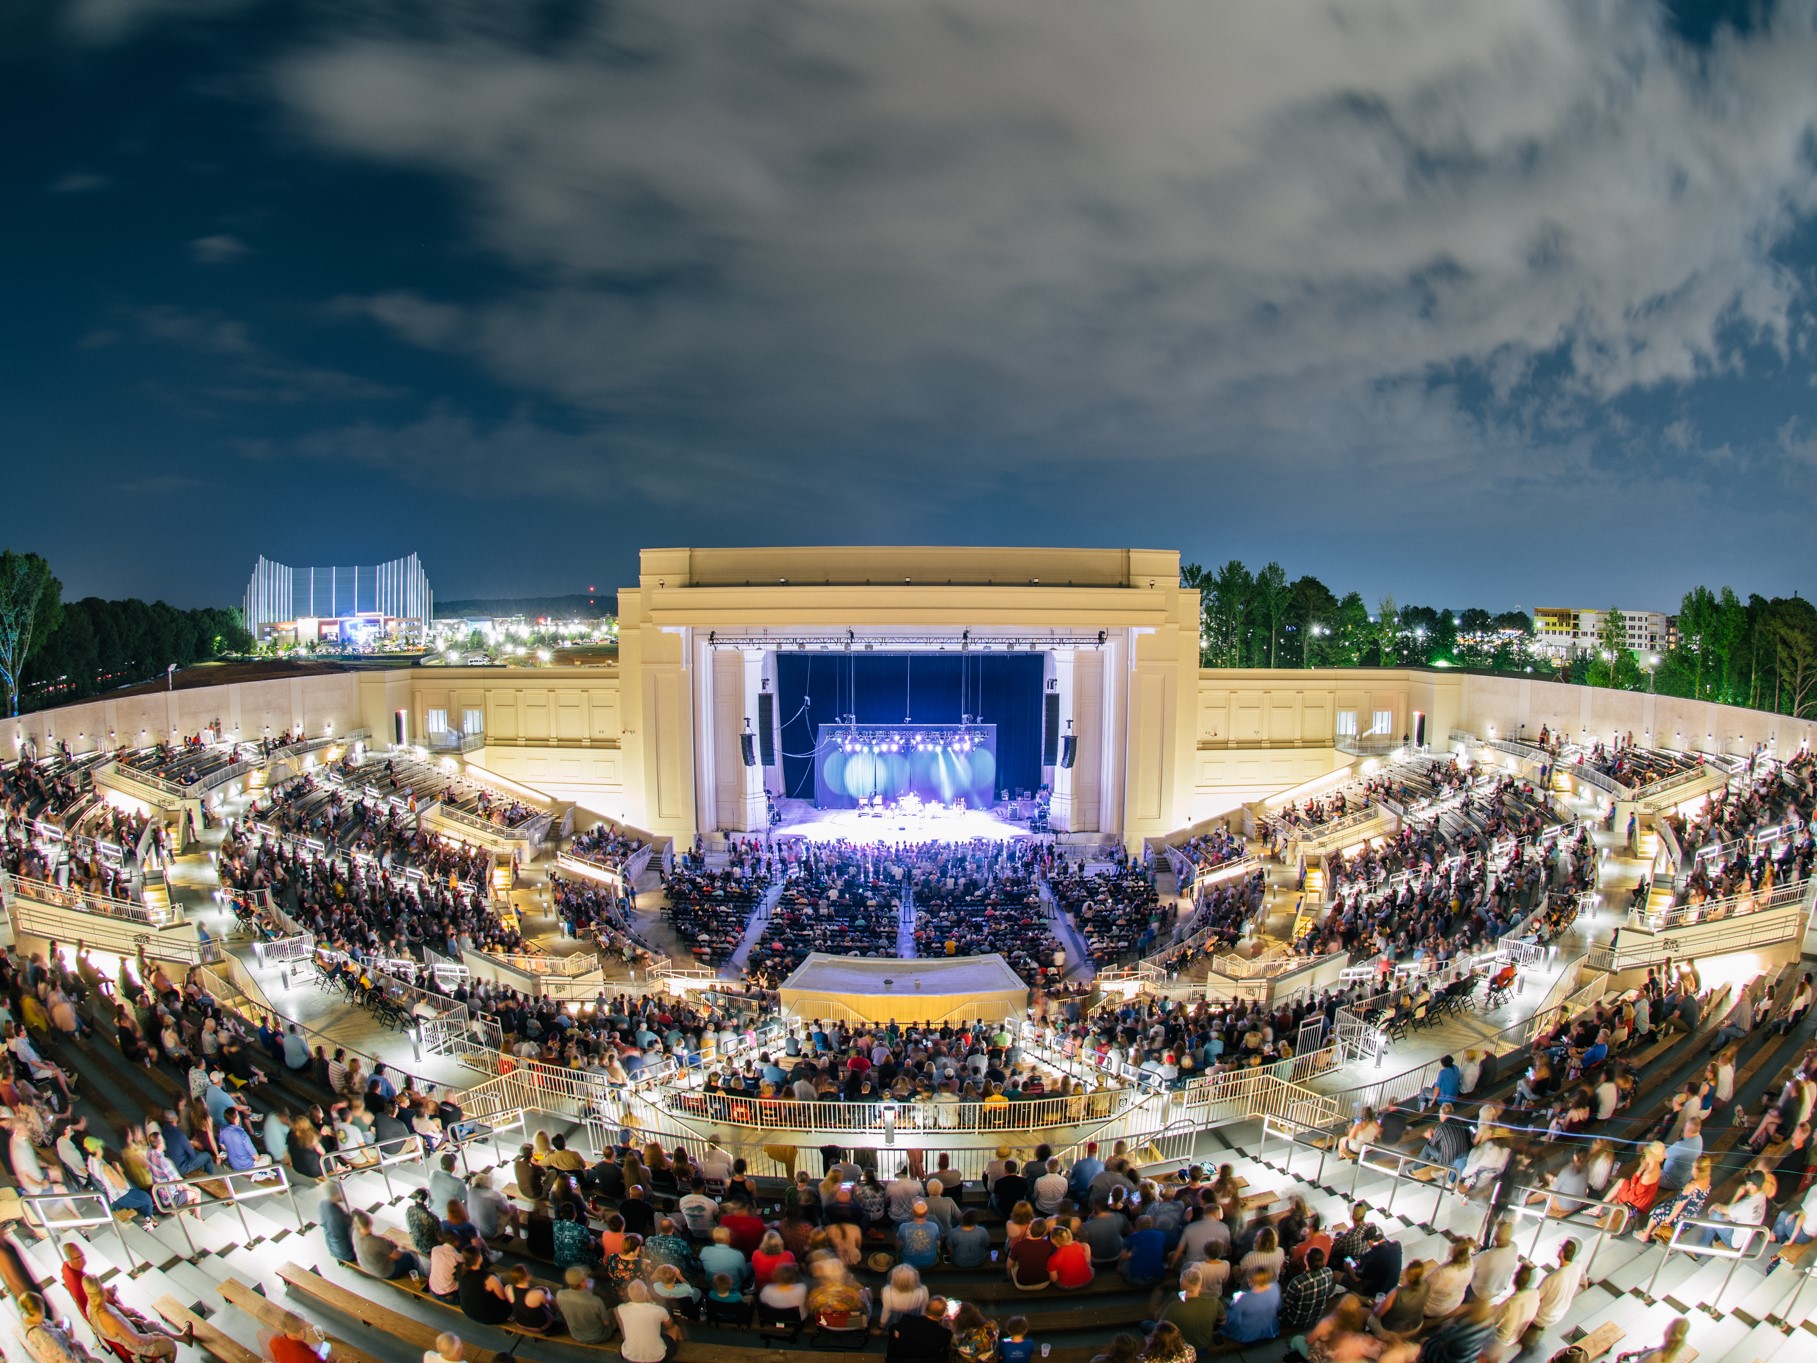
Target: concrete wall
(1510,707)
(249,710)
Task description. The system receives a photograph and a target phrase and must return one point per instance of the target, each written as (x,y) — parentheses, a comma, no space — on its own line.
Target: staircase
(1738,1314)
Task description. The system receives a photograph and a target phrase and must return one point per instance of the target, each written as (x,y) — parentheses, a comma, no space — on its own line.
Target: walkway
(905,923)
(753,929)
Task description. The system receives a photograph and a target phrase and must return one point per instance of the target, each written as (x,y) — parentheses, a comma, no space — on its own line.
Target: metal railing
(267,1180)
(336,1164)
(1665,784)
(282,950)
(1722,910)
(1753,1245)
(724,1109)
(82,901)
(40,1213)
(1298,1134)
(1402,1168)
(176,942)
(579,963)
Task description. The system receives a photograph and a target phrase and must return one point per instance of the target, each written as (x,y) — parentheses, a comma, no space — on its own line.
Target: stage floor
(802,820)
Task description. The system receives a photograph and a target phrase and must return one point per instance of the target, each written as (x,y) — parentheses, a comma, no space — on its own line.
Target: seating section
(972,899)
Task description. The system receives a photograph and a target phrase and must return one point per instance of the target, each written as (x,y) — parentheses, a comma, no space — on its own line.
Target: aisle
(905,922)
(753,929)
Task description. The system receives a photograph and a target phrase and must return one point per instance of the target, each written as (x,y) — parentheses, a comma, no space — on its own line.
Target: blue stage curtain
(883,688)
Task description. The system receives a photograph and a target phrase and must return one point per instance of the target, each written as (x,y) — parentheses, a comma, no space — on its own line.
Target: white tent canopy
(878,989)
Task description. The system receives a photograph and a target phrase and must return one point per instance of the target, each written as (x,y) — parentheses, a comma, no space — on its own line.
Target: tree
(1193,577)
(31,607)
(1230,597)
(1387,632)
(1697,632)
(1271,597)
(1354,631)
(1312,615)
(1795,661)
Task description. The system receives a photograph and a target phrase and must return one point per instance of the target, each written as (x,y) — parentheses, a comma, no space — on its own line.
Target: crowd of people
(843,898)
(1118,911)
(709,909)
(1777,798)
(934,1074)
(1434,894)
(365,904)
(972,899)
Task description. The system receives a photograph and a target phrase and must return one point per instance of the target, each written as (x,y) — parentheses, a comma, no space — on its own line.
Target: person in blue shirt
(183,1154)
(1084,1171)
(1144,1254)
(1254,1314)
(237,1146)
(919,1239)
(1448,1087)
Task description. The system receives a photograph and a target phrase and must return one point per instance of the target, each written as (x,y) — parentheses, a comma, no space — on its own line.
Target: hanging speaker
(747,745)
(766,728)
(1050,728)
(1068,747)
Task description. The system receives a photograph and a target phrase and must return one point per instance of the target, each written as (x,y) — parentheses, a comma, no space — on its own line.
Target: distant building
(352,606)
(1567,632)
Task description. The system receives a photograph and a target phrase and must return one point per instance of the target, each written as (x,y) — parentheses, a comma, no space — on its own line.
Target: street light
(1306,640)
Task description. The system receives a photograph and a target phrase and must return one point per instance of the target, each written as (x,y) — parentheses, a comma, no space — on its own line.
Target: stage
(872,990)
(801,820)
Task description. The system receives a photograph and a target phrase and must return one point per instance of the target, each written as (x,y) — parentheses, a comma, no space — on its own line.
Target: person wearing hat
(107,1175)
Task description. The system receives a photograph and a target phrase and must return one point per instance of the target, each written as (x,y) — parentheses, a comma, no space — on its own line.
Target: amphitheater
(1081,899)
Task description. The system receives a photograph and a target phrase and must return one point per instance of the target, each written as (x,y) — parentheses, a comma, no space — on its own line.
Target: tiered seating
(1633,767)
(1756,833)
(193,760)
(607,846)
(483,804)
(709,910)
(842,898)
(1117,911)
(980,898)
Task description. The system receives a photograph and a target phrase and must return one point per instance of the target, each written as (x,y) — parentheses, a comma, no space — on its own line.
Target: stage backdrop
(893,760)
(1004,690)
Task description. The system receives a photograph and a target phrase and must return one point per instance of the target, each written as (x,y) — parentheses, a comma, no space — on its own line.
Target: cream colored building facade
(1161,743)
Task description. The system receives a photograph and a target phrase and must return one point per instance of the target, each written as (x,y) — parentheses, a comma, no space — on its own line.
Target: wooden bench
(208,1337)
(1601,1340)
(268,1313)
(371,1314)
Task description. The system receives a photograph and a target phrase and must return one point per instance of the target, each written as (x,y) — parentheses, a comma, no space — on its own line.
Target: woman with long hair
(904,1294)
(1687,1201)
(1167,1345)
(1635,1195)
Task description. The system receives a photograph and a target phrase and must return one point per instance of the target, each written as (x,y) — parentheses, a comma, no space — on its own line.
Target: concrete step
(150,1247)
(1762,1344)
(195,1284)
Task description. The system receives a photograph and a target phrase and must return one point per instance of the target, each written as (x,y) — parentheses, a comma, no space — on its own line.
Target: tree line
(1760,653)
(54,651)
(1261,619)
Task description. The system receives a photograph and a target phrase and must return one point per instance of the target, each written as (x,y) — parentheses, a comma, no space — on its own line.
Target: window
(473,722)
(1384,722)
(1346,723)
(437,722)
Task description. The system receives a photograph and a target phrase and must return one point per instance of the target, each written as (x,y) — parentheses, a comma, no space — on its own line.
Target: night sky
(1478,303)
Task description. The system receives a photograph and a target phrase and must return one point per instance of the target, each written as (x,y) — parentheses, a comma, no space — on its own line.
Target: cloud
(78,182)
(250,371)
(221,249)
(1051,228)
(115,21)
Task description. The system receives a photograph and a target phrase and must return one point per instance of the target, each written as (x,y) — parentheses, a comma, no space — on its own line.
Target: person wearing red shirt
(747,1230)
(1070,1267)
(292,1346)
(1028,1258)
(769,1256)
